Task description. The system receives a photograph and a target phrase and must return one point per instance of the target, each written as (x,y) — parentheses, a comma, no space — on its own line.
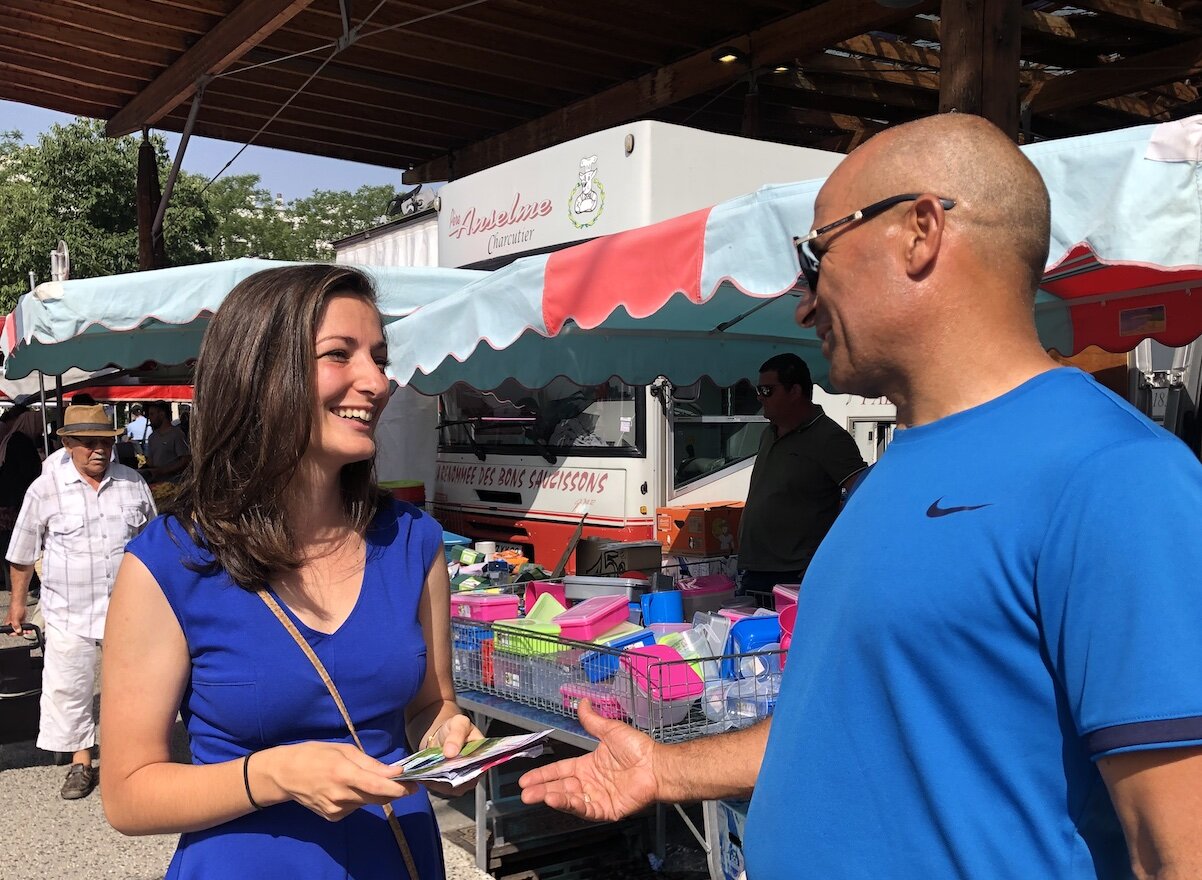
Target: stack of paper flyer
(429,765)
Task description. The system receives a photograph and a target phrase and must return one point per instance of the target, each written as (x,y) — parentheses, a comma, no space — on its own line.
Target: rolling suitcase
(20,687)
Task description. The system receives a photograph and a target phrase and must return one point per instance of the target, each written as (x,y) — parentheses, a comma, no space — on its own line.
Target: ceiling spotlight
(781,69)
(728,55)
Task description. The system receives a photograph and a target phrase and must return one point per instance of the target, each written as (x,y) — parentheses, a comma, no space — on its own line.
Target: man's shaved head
(1001,199)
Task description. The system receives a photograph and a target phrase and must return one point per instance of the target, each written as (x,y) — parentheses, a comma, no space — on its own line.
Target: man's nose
(807,306)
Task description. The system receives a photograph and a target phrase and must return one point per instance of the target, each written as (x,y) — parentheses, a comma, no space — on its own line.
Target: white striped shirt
(80,533)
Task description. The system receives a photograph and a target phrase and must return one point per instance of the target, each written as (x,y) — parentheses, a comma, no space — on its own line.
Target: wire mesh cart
(535,679)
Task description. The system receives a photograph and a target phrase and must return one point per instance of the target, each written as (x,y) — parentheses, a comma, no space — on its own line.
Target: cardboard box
(604,558)
(705,529)
(731,823)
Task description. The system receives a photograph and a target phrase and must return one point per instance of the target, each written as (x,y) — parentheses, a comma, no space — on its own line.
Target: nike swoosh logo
(935,510)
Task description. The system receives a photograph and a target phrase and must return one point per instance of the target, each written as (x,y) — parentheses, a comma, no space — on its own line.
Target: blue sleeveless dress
(251,687)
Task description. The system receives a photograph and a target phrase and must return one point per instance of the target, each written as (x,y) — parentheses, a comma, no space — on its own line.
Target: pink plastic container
(706,593)
(708,583)
(784,595)
(534,589)
(484,607)
(660,671)
(656,687)
(602,698)
(592,617)
(788,619)
(736,614)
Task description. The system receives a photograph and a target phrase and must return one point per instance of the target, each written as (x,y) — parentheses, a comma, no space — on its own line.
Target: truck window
(560,419)
(714,428)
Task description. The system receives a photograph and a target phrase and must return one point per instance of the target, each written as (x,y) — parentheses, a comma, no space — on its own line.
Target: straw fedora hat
(87,421)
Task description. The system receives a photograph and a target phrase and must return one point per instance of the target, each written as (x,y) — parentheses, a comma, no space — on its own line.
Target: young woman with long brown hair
(281,508)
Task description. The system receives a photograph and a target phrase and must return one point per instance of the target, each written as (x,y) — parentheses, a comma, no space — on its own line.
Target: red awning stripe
(588,282)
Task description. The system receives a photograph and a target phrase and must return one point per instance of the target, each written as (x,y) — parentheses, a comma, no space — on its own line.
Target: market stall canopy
(11,389)
(713,293)
(159,317)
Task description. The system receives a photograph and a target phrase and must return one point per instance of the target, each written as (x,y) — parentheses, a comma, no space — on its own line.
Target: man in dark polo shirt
(804,463)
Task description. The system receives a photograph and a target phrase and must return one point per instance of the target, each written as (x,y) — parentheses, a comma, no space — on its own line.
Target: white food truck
(525,466)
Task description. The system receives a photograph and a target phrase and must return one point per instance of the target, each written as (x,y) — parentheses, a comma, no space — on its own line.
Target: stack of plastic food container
(654,689)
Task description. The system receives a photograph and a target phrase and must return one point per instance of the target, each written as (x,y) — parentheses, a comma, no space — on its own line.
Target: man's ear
(924,234)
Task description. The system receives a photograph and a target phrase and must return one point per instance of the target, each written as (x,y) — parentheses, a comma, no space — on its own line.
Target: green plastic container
(522,636)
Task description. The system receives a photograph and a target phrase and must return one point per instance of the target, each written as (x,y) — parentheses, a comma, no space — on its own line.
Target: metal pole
(42,397)
(157,228)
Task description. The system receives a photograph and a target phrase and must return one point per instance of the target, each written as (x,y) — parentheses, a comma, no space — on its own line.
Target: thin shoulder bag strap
(393,822)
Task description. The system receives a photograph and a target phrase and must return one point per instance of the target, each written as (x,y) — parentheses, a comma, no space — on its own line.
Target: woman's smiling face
(350,384)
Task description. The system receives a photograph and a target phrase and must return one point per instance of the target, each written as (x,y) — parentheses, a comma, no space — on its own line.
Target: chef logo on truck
(587,198)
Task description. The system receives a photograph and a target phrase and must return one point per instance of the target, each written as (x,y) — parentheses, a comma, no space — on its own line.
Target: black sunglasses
(810,262)
(766,390)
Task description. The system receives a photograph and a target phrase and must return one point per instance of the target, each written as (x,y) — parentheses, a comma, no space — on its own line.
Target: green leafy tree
(80,186)
(21,202)
(248,223)
(328,215)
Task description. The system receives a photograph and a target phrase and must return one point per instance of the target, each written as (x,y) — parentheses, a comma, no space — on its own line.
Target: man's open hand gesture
(614,781)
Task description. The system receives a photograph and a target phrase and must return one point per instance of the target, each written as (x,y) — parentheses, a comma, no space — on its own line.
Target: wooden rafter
(799,34)
(837,121)
(462,87)
(1141,13)
(67,40)
(871,46)
(874,70)
(246,26)
(1123,77)
(1070,29)
(500,112)
(884,97)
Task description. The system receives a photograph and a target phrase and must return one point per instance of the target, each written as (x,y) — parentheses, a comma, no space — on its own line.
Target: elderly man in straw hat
(78,516)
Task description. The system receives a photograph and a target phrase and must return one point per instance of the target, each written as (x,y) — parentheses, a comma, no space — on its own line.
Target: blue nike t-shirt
(1012,592)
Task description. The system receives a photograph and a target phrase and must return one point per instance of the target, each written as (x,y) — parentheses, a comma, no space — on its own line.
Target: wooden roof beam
(1133,74)
(827,91)
(890,50)
(309,141)
(855,98)
(835,121)
(1062,29)
(874,70)
(1142,13)
(778,43)
(250,23)
(1073,29)
(487,110)
(40,96)
(1143,108)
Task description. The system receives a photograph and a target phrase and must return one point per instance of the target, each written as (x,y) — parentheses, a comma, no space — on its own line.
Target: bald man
(998,671)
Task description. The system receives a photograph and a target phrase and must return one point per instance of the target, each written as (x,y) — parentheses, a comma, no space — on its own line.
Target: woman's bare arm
(433,717)
(146,667)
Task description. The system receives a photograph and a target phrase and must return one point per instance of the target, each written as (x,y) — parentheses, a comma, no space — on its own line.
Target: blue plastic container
(466,662)
(470,635)
(666,606)
(748,635)
(600,665)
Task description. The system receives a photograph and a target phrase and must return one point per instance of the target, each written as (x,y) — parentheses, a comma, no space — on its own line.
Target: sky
(294,175)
